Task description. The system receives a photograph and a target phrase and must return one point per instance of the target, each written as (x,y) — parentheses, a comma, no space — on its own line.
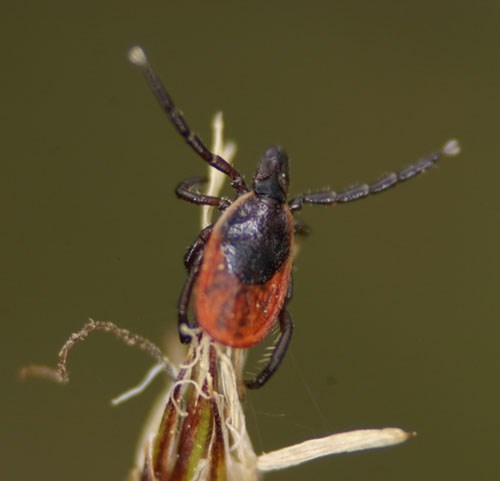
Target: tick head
(271,178)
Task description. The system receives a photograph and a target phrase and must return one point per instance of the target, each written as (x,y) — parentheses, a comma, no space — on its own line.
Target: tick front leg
(388,181)
(279,351)
(138,57)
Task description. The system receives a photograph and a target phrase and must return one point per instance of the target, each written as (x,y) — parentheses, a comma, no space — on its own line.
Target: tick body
(245,271)
(239,268)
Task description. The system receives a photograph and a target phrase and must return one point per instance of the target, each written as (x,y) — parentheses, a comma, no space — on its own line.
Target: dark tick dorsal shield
(239,268)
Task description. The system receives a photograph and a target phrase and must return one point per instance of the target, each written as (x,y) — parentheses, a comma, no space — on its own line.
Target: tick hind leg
(183,306)
(192,257)
(279,351)
(138,58)
(192,262)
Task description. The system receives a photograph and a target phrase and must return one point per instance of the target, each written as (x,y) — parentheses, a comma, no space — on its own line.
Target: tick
(239,269)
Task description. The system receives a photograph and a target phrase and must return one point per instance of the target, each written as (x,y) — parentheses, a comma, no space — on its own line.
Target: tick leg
(286,326)
(138,58)
(186,190)
(192,262)
(386,182)
(183,305)
(193,254)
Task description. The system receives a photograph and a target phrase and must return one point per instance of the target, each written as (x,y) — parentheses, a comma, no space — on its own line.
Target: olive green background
(396,297)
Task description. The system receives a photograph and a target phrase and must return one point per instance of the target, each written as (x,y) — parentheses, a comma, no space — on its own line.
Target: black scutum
(256,239)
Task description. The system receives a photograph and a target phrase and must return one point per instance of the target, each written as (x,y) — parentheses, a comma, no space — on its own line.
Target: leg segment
(192,262)
(186,191)
(383,184)
(193,254)
(279,351)
(138,58)
(183,305)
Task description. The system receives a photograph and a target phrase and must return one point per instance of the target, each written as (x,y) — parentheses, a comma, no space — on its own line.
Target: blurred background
(396,297)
